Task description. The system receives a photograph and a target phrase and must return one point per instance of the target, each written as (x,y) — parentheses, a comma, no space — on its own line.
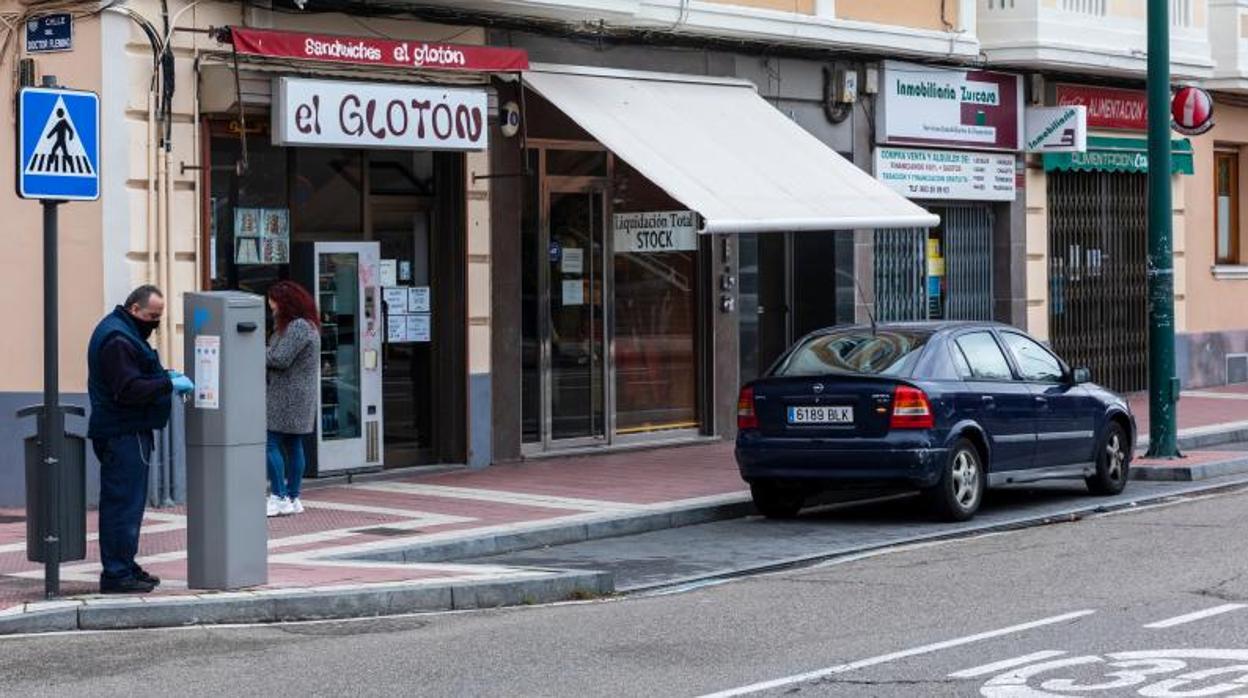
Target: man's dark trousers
(123,496)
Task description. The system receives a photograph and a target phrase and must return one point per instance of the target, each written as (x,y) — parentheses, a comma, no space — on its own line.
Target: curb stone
(1191,473)
(278,605)
(615,526)
(1205,437)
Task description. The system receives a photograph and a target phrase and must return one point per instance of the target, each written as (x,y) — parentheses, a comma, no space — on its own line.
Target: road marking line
(1198,615)
(903,654)
(997,667)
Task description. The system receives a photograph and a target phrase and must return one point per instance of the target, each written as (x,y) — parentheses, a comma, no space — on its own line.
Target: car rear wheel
(776,501)
(1113,462)
(962,483)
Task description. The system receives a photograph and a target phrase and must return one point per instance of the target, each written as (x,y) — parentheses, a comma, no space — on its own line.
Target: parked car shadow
(884,507)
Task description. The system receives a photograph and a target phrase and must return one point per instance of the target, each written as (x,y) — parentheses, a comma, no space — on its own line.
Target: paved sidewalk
(392,545)
(493,510)
(1207,417)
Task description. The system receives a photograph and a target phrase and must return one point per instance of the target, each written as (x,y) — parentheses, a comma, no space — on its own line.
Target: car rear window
(860,352)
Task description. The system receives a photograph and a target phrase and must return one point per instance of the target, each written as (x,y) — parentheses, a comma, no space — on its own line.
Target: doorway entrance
(610,325)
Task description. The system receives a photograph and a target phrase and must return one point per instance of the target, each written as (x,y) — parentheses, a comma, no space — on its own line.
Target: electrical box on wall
(846,86)
(871,80)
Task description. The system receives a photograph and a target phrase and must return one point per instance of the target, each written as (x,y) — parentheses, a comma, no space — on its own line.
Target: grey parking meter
(227,538)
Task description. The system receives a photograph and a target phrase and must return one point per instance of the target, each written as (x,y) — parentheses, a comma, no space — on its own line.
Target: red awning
(385,53)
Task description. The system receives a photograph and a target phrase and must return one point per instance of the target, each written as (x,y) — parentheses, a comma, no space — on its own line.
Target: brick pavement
(1200,408)
(305,551)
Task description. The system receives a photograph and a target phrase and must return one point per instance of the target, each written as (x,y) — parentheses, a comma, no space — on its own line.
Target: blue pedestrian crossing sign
(58,144)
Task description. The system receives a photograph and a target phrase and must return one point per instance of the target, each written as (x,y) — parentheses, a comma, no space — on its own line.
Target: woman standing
(294,349)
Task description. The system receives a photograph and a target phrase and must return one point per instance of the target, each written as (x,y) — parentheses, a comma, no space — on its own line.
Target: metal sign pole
(1163,384)
(52,424)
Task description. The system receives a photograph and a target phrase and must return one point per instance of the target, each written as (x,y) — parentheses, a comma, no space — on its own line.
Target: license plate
(821,415)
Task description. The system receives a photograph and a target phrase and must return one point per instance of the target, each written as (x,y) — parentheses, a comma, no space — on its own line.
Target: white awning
(717,147)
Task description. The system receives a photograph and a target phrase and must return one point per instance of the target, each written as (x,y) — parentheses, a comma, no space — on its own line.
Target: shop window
(239,204)
(326,194)
(576,163)
(656,317)
(1226,206)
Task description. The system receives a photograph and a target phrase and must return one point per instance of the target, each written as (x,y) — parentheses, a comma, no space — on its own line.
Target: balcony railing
(1228,22)
(1093,36)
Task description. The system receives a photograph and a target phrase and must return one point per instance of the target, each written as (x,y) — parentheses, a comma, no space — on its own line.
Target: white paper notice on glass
(396,299)
(208,372)
(573,292)
(405,271)
(418,299)
(389,272)
(396,329)
(573,261)
(419,328)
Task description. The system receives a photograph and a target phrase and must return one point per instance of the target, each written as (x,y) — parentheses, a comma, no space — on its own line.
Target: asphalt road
(1048,611)
(675,556)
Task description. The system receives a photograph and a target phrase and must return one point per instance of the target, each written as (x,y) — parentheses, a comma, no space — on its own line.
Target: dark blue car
(950,408)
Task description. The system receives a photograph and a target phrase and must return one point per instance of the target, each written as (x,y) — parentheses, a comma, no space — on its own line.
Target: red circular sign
(1192,111)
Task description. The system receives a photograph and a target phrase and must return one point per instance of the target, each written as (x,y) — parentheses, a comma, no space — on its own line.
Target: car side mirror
(1081,375)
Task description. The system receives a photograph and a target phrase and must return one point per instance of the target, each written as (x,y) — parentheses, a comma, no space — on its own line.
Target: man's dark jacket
(128,388)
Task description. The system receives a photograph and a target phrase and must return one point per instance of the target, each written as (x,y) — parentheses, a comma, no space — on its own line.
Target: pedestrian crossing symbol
(59,153)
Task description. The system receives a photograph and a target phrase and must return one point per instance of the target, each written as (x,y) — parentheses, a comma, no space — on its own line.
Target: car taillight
(746,419)
(911,409)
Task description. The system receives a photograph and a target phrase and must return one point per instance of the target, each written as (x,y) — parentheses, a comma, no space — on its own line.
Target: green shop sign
(1107,154)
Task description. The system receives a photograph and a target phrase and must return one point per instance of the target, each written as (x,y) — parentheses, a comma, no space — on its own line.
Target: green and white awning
(1106,154)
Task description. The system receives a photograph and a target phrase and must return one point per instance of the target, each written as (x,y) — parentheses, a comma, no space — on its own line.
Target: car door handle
(1041,400)
(988,399)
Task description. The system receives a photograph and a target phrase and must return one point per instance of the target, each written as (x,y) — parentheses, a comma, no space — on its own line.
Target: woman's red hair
(293,303)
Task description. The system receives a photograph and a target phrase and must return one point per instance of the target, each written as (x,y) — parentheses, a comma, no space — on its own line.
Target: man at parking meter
(130,395)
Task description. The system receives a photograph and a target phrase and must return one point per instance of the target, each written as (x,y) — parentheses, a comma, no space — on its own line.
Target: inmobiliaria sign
(934,106)
(1108,107)
(378,52)
(374,115)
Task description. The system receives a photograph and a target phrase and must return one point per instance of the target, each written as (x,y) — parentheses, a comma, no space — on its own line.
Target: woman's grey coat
(293,360)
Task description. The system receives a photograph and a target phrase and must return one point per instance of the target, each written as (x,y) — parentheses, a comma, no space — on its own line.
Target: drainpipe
(166,241)
(151,186)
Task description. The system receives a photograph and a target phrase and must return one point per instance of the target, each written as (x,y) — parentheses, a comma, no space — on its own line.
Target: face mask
(146,327)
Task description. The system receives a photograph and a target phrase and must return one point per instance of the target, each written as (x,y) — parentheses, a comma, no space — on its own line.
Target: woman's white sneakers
(281,506)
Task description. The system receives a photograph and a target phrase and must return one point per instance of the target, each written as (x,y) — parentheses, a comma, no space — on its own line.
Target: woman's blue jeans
(285,470)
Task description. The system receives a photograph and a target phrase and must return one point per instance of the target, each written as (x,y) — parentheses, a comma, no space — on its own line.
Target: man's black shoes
(143,576)
(129,585)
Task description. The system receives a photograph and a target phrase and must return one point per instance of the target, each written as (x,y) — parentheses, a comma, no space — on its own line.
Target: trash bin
(73,495)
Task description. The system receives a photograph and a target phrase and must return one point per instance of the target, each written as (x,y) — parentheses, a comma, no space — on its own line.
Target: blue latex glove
(181,384)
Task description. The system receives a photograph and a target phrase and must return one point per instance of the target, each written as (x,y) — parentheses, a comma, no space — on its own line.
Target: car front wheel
(1113,462)
(962,483)
(776,501)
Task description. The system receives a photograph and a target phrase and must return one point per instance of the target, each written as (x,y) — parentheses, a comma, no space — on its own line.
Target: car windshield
(888,352)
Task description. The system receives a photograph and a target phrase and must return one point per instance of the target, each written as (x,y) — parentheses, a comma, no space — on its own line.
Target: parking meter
(227,538)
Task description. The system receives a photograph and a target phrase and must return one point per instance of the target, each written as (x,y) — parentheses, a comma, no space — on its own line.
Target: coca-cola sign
(372,115)
(387,53)
(1108,107)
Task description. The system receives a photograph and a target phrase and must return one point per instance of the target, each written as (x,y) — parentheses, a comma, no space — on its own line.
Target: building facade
(527,277)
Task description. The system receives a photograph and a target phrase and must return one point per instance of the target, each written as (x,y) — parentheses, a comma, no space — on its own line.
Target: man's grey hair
(141,295)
